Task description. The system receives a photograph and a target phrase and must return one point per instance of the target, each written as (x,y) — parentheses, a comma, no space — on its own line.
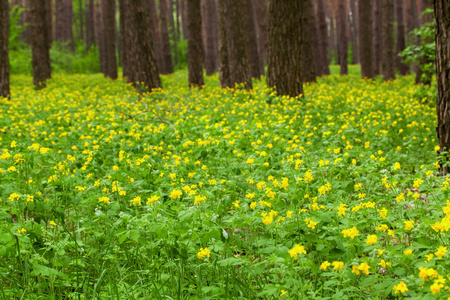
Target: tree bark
(141,60)
(323,36)
(90,31)
(109,34)
(211,37)
(40,47)
(183,19)
(354,26)
(377,37)
(4,53)
(387,58)
(318,60)
(123,38)
(236,44)
(173,32)
(252,42)
(224,69)
(260,9)
(365,38)
(403,69)
(343,45)
(307,59)
(63,22)
(442,17)
(195,45)
(80,15)
(49,14)
(284,52)
(167,52)
(99,36)
(156,33)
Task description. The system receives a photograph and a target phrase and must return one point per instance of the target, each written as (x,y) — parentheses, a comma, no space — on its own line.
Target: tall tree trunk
(109,34)
(49,14)
(260,7)
(142,65)
(4,55)
(442,17)
(124,38)
(156,33)
(80,15)
(224,68)
(167,52)
(173,32)
(63,22)
(343,46)
(100,37)
(211,37)
(285,43)
(90,31)
(183,19)
(353,21)
(323,36)
(318,60)
(400,37)
(387,58)
(236,43)
(195,45)
(40,46)
(177,18)
(252,42)
(377,37)
(365,38)
(307,67)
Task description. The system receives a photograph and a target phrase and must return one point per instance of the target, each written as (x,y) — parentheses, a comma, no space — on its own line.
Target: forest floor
(216,193)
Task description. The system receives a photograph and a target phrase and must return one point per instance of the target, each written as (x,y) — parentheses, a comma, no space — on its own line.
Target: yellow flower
(408,252)
(408,224)
(337,265)
(283,292)
(104,200)
(436,288)
(371,239)
(253,205)
(14,196)
(115,168)
(236,203)
(203,252)
(21,231)
(383,212)
(136,200)
(267,219)
(401,287)
(250,161)
(297,250)
(362,268)
(426,273)
(250,195)
(397,166)
(176,194)
(441,251)
(324,265)
(351,232)
(384,264)
(437,148)
(289,213)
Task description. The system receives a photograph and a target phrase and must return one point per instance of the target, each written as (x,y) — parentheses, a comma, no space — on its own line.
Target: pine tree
(195,45)
(387,52)
(4,55)
(109,34)
(365,38)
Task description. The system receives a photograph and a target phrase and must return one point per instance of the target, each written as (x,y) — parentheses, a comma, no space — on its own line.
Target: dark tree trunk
(99,36)
(315,41)
(334,18)
(387,54)
(377,37)
(323,36)
(236,43)
(90,31)
(252,42)
(63,22)
(123,38)
(354,26)
(211,37)
(173,32)
(195,45)
(156,33)
(442,16)
(177,18)
(343,46)
(307,60)
(167,52)
(260,7)
(285,43)
(224,69)
(183,19)
(109,34)
(40,46)
(403,69)
(49,14)
(4,55)
(142,65)
(80,15)
(365,38)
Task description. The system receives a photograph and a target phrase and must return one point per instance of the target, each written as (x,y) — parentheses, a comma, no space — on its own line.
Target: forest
(224,149)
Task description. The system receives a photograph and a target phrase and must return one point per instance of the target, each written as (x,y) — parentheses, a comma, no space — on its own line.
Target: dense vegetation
(220,193)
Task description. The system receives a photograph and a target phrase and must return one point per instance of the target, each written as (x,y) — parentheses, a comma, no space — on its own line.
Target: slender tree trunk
(173,32)
(156,34)
(109,26)
(354,26)
(90,31)
(343,46)
(400,37)
(252,42)
(100,37)
(63,22)
(237,44)
(224,69)
(4,55)
(211,37)
(335,21)
(80,15)
(285,43)
(260,7)
(318,59)
(442,16)
(177,18)
(183,19)
(323,36)
(377,37)
(142,65)
(195,45)
(167,52)
(40,46)
(308,70)
(387,62)
(123,38)
(365,38)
